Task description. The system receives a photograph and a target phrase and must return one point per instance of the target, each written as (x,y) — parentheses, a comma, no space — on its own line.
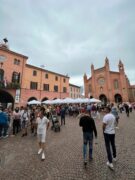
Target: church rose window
(101,81)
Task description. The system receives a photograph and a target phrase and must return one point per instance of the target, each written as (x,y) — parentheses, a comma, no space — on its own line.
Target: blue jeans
(3,129)
(87,138)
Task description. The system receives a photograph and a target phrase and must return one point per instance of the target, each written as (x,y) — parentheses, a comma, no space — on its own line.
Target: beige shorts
(41,137)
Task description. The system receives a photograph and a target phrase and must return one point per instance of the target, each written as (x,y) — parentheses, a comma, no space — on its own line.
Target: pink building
(21,82)
(109,86)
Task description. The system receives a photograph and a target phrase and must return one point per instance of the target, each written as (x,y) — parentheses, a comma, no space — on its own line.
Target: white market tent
(78,100)
(57,101)
(93,100)
(33,102)
(72,101)
(86,100)
(68,101)
(47,102)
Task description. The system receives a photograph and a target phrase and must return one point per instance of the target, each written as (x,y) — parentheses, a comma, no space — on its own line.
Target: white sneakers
(5,136)
(39,151)
(110,165)
(114,159)
(43,156)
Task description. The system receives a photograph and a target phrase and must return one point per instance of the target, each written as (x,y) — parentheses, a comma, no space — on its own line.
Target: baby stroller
(55,123)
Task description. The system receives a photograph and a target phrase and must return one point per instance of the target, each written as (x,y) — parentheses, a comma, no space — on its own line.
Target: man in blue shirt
(3,124)
(62,114)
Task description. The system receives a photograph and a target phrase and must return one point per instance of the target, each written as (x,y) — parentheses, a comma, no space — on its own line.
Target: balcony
(9,85)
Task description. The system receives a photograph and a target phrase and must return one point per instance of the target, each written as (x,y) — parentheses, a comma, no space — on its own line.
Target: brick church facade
(109,86)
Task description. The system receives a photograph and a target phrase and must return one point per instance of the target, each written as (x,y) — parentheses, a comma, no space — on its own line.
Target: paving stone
(64,155)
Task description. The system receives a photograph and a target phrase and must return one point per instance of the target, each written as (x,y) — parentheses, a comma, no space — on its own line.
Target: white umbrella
(33,102)
(86,100)
(93,100)
(68,101)
(79,100)
(56,101)
(47,102)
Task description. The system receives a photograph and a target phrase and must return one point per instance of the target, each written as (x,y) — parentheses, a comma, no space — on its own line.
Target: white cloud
(67,36)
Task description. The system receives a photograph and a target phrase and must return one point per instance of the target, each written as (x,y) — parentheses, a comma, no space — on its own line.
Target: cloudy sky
(66,36)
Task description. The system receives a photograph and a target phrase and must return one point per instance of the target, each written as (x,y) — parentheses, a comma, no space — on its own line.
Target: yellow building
(74,91)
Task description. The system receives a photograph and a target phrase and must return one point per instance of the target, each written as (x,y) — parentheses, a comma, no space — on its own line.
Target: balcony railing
(9,85)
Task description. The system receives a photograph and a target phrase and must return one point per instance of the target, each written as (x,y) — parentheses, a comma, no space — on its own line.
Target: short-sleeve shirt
(42,125)
(16,115)
(109,120)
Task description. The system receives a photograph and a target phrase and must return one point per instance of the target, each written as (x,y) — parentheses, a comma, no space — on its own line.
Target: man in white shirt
(109,136)
(42,126)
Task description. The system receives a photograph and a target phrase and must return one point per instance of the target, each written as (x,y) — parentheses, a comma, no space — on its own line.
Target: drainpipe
(40,84)
(21,80)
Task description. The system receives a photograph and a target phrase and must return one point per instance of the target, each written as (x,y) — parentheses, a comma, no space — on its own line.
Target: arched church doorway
(103,98)
(6,99)
(54,98)
(44,99)
(32,98)
(118,98)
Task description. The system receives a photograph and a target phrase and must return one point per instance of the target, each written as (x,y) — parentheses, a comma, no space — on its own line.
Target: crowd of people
(35,120)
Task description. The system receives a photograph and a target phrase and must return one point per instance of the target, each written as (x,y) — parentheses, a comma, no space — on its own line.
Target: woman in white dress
(42,126)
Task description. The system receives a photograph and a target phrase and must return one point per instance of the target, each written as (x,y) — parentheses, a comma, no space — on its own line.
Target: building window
(33,85)
(101,89)
(15,77)
(46,87)
(56,88)
(16,61)
(64,89)
(116,84)
(34,73)
(64,80)
(46,76)
(1,74)
(56,78)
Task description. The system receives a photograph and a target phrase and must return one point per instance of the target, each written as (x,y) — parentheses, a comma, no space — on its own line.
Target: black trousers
(62,120)
(127,112)
(16,126)
(110,146)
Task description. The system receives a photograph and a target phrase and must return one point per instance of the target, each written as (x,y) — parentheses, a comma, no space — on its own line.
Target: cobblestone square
(19,159)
